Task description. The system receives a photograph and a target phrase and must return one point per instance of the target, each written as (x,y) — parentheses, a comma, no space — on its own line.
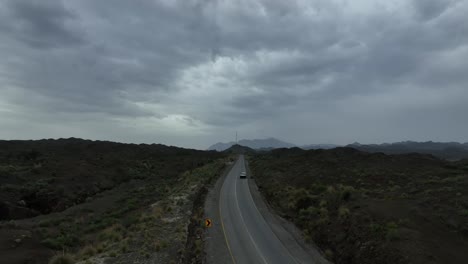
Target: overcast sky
(191,73)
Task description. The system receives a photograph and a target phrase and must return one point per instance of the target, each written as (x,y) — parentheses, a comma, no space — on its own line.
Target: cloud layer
(192,72)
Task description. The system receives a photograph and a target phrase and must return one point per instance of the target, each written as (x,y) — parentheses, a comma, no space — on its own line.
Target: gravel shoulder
(216,250)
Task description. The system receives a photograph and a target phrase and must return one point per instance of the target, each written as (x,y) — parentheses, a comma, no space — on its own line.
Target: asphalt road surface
(249,237)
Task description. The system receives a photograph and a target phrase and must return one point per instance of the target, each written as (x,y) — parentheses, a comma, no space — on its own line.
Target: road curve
(248,236)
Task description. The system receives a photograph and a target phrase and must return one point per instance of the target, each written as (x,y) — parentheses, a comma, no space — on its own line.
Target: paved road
(248,236)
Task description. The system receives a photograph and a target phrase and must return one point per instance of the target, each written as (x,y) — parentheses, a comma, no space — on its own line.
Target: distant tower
(236,137)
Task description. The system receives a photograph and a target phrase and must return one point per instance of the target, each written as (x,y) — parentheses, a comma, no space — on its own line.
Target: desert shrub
(307,236)
(29,155)
(157,211)
(99,248)
(318,188)
(111,234)
(45,223)
(101,223)
(124,247)
(464,212)
(392,231)
(323,203)
(343,212)
(130,220)
(404,196)
(61,259)
(391,225)
(346,192)
(392,234)
(61,241)
(88,251)
(376,228)
(198,246)
(323,216)
(157,246)
(53,221)
(308,212)
(304,200)
(333,197)
(164,244)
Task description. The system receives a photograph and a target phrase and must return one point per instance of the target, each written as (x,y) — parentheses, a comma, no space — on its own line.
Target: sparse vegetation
(366,208)
(88,251)
(62,259)
(120,198)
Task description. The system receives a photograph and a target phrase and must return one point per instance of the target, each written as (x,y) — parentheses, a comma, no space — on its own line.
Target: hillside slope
(444,150)
(371,208)
(100,200)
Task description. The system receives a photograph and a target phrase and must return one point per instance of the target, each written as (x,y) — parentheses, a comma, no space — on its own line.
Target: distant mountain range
(265,144)
(254,144)
(445,150)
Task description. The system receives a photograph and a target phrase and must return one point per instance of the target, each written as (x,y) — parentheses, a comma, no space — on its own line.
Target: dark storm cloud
(134,50)
(387,54)
(40,24)
(430,9)
(202,67)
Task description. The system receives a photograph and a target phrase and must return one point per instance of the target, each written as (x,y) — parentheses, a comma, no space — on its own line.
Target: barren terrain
(360,207)
(102,202)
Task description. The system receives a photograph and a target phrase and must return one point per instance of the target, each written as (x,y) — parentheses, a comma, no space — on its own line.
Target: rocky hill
(96,200)
(361,207)
(238,149)
(445,150)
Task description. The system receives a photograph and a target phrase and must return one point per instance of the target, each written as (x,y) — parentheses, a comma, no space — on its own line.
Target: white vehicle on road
(243,175)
